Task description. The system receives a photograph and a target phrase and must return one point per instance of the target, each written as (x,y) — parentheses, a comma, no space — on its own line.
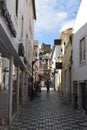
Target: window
(82,51)
(16,7)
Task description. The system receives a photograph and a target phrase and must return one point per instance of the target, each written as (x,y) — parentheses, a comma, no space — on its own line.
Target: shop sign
(58,65)
(57,42)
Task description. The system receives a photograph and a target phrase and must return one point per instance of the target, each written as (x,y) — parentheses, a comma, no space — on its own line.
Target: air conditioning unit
(21,50)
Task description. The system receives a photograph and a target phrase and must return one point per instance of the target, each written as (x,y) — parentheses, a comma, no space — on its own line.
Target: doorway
(83,96)
(69,85)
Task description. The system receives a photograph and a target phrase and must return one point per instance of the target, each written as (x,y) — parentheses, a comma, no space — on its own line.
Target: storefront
(80,95)
(4,89)
(13,79)
(83,95)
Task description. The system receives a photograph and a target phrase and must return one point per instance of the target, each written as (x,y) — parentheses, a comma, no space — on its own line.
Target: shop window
(14,90)
(4,89)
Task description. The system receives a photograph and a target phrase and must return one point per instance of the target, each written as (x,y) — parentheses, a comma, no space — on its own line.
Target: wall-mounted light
(21,50)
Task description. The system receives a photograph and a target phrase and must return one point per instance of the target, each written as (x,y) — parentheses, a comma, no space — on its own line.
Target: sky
(53,17)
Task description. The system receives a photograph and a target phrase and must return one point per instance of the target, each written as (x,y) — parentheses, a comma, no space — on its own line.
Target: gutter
(34,9)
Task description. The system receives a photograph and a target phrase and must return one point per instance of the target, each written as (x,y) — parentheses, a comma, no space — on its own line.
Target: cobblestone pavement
(49,112)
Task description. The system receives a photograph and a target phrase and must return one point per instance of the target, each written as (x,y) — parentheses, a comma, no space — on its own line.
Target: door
(69,86)
(83,96)
(75,96)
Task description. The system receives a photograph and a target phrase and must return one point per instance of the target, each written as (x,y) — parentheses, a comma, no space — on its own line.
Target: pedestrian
(30,89)
(47,85)
(32,93)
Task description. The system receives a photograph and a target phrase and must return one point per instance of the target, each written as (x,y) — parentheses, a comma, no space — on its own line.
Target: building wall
(53,60)
(66,76)
(56,57)
(79,72)
(16,92)
(45,47)
(36,56)
(80,19)
(23,22)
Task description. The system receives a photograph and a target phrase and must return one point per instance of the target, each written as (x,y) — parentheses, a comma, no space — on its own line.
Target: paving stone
(49,112)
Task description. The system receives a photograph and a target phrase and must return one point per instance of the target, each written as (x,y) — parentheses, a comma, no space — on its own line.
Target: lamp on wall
(21,50)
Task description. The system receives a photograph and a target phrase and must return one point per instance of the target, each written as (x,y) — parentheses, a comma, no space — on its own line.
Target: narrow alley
(49,111)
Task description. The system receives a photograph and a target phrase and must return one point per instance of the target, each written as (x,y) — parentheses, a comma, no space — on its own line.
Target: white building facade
(16,47)
(80,58)
(56,57)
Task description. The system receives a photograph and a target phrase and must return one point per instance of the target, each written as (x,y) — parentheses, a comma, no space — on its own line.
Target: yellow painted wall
(66,57)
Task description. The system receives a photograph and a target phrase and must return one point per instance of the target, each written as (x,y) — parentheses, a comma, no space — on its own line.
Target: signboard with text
(58,65)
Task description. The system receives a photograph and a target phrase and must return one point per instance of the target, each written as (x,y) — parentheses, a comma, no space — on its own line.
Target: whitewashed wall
(79,31)
(25,10)
(79,71)
(53,59)
(56,54)
(81,17)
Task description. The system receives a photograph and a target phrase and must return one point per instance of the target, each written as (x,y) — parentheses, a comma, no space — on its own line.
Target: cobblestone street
(49,112)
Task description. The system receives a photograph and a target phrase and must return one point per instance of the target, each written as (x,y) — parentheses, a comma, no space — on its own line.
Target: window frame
(82,49)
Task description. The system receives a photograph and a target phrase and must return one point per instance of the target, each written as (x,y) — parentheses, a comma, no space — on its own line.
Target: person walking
(47,85)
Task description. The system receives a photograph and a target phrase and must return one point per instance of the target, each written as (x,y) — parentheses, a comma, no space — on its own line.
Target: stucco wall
(25,10)
(81,17)
(79,71)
